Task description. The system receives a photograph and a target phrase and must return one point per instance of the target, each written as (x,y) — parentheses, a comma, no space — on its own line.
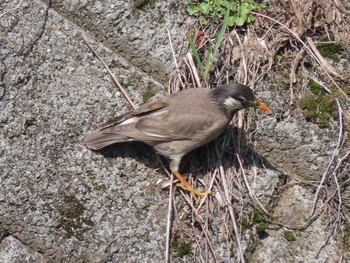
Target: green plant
(239,11)
(232,12)
(329,50)
(256,220)
(146,96)
(289,235)
(347,90)
(319,107)
(316,88)
(346,237)
(205,72)
(182,248)
(142,3)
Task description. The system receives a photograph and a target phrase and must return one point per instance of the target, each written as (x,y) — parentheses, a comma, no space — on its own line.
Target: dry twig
(326,70)
(335,153)
(240,252)
(251,194)
(12,9)
(126,95)
(325,64)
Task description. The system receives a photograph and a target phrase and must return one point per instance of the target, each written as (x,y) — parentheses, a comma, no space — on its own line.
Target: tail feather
(97,140)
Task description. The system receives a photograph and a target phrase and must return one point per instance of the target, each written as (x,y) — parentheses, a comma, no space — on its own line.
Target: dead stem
(243,57)
(12,9)
(240,252)
(321,60)
(326,70)
(174,57)
(335,153)
(251,194)
(292,73)
(126,95)
(193,69)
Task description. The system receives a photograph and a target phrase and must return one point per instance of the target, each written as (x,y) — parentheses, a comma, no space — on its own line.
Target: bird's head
(234,97)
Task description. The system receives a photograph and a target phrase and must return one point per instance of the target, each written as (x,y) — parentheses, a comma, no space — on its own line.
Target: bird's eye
(242,99)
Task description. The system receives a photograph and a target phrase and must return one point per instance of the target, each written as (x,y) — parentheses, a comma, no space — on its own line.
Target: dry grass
(249,56)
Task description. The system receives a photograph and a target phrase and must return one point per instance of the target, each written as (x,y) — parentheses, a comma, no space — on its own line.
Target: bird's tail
(98,139)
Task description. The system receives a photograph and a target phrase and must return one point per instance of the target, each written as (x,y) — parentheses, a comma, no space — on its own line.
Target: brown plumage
(178,123)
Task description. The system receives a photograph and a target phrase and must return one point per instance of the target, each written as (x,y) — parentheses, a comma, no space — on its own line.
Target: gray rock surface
(136,30)
(57,197)
(12,250)
(308,245)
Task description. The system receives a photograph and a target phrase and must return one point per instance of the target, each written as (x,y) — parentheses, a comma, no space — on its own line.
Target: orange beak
(263,107)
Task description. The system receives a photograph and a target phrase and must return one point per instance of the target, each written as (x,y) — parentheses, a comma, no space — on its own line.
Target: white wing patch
(157,113)
(128,121)
(135,119)
(155,135)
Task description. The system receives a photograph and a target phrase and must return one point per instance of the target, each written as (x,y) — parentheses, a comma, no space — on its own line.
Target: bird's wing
(144,109)
(178,124)
(167,125)
(122,128)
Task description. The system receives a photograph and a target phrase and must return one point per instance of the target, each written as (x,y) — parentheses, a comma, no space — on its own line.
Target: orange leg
(186,186)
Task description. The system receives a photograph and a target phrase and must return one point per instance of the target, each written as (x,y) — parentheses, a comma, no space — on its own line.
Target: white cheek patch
(232,103)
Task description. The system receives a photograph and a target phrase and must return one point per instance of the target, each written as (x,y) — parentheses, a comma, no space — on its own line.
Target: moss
(126,83)
(316,88)
(261,227)
(139,4)
(147,95)
(279,58)
(85,258)
(261,224)
(160,19)
(347,90)
(100,187)
(346,238)
(258,220)
(31,187)
(71,212)
(289,235)
(182,248)
(91,183)
(319,109)
(330,50)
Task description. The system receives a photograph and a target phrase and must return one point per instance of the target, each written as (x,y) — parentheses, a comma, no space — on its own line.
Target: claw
(186,186)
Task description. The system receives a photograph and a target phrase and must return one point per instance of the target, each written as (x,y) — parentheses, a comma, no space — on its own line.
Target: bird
(178,123)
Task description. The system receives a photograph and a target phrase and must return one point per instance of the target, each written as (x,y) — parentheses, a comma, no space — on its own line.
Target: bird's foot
(186,186)
(194,192)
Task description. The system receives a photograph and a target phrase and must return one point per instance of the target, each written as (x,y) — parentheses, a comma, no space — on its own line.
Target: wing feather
(144,109)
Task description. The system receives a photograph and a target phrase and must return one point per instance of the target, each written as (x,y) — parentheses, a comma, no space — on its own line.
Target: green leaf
(221,33)
(204,8)
(250,18)
(244,11)
(203,21)
(195,53)
(208,63)
(243,14)
(231,21)
(228,5)
(192,10)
